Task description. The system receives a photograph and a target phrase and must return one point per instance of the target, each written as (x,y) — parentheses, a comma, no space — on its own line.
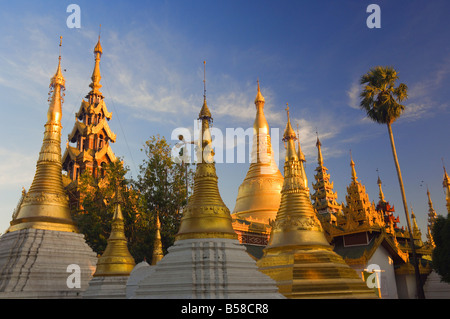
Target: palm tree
(381,101)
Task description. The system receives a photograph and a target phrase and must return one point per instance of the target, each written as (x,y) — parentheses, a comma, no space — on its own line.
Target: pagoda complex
(42,245)
(298,256)
(206,260)
(259,194)
(92,135)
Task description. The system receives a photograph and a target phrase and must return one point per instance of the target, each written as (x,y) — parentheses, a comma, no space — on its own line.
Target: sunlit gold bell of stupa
(298,256)
(45,205)
(260,193)
(116,259)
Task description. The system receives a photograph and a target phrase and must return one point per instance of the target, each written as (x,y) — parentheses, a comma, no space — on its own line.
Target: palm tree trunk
(420,293)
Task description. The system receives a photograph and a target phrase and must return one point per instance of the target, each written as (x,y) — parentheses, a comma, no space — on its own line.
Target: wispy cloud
(353,96)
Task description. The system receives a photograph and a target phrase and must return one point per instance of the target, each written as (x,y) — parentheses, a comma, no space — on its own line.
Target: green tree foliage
(162,186)
(441,253)
(94,216)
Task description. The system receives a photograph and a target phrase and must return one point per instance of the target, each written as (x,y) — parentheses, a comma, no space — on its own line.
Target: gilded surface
(205,215)
(260,193)
(116,259)
(298,256)
(45,205)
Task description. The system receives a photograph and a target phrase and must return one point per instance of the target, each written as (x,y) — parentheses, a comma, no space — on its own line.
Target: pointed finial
(352,164)
(319,150)
(60,44)
(259,96)
(204,80)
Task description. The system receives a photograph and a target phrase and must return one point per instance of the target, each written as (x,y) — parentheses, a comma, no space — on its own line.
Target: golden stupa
(45,205)
(157,244)
(259,194)
(205,215)
(116,259)
(298,256)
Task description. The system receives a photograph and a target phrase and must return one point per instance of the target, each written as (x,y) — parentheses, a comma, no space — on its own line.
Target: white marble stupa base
(210,268)
(106,287)
(37,263)
(434,288)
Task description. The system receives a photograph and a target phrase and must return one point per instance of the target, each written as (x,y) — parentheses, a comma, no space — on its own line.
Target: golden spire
(95,94)
(381,195)
(446,184)
(416,230)
(116,259)
(46,206)
(432,216)
(205,215)
(205,113)
(302,159)
(157,244)
(259,97)
(289,137)
(259,194)
(319,151)
(352,164)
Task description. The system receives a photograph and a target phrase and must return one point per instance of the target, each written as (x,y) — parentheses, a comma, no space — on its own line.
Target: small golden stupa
(116,259)
(259,194)
(157,244)
(298,256)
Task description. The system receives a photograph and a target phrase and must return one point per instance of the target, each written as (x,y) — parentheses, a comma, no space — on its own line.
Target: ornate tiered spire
(446,184)
(359,212)
(380,190)
(157,244)
(325,199)
(259,194)
(45,206)
(432,216)
(205,215)
(298,256)
(95,95)
(91,132)
(116,259)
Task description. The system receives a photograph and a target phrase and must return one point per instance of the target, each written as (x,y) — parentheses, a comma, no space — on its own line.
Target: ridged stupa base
(106,287)
(34,264)
(210,268)
(313,273)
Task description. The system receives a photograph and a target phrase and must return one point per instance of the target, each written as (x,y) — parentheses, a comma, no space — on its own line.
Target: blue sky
(309,54)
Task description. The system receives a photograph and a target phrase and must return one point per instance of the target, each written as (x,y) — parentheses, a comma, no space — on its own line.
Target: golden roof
(45,205)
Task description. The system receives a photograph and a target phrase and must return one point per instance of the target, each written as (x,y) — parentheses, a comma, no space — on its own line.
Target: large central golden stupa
(259,194)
